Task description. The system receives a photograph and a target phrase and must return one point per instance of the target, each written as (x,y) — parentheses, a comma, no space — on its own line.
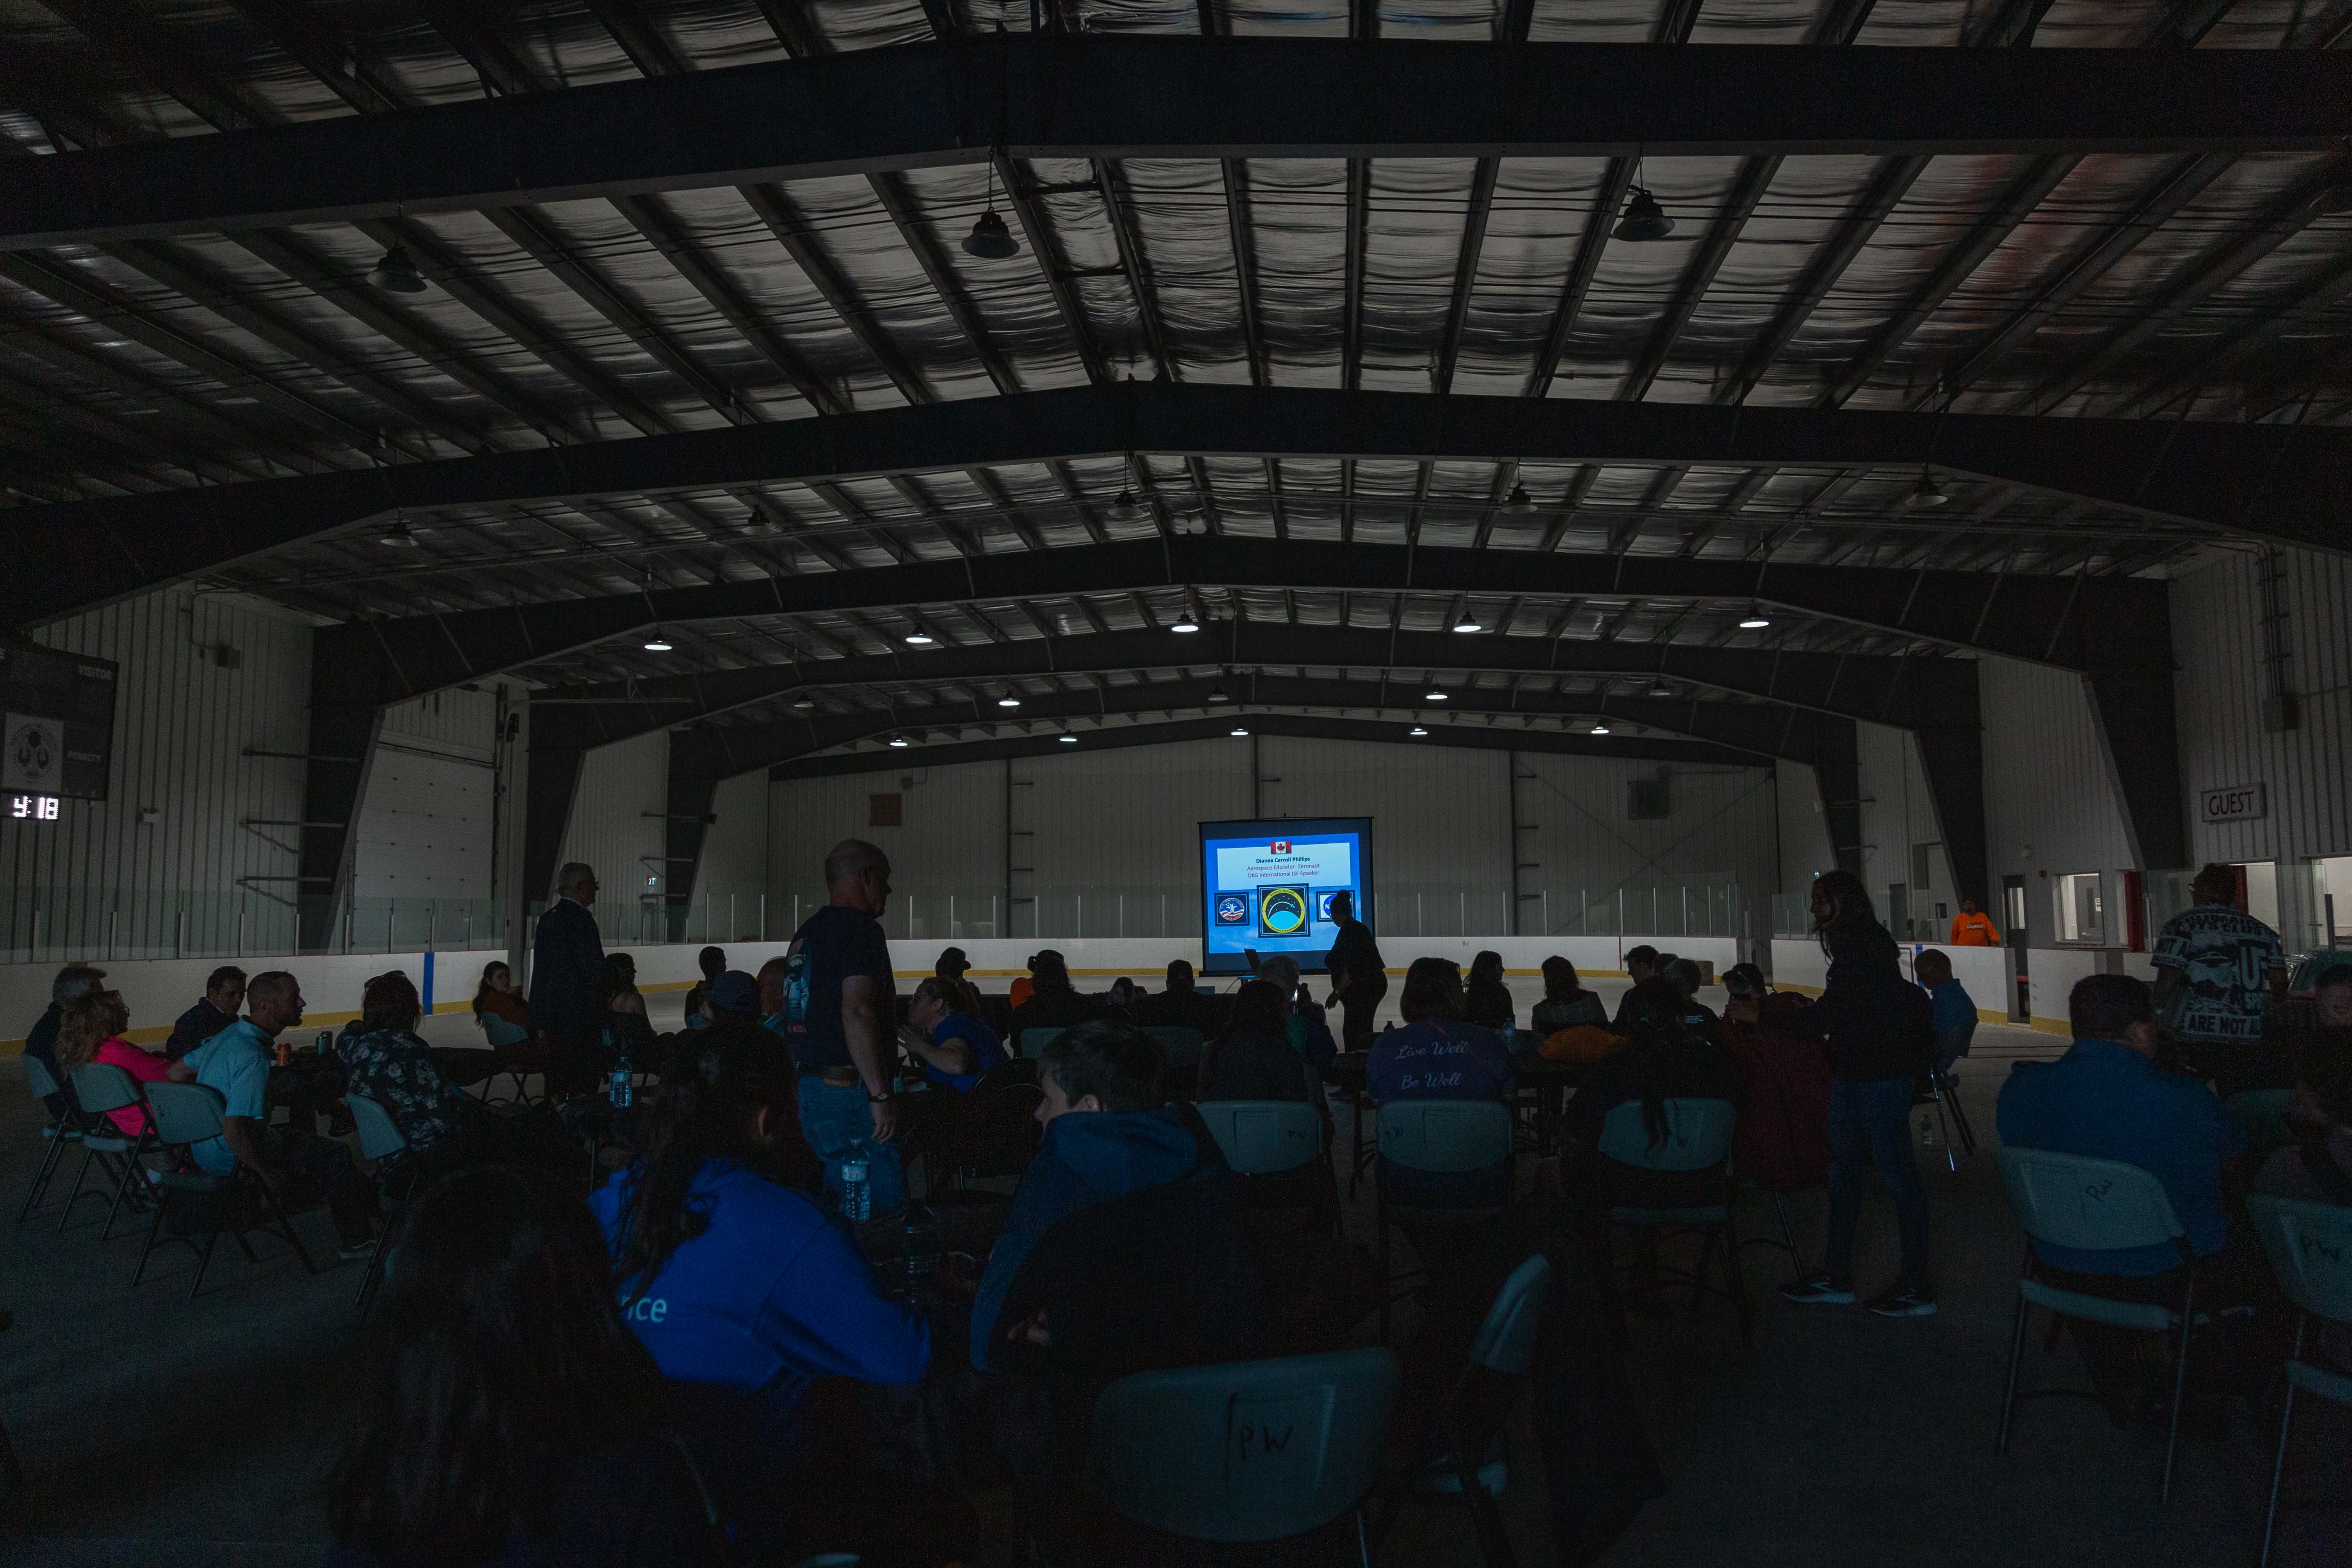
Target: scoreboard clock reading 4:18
(33,807)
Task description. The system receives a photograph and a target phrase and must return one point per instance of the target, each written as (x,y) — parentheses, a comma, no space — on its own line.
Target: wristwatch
(873,1098)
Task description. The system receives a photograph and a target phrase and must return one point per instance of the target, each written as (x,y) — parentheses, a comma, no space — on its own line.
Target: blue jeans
(839,1125)
(1875,1119)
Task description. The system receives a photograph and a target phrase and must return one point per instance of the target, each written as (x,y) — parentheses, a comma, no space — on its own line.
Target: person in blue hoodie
(740,1287)
(1954,1016)
(1166,1277)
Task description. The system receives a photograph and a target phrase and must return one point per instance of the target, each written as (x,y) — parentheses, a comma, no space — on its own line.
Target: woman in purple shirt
(1436,1056)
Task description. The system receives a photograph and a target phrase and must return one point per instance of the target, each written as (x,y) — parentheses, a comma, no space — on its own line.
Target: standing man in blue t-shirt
(840,1012)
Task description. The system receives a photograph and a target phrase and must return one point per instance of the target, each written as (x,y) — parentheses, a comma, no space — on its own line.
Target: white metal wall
(1805,848)
(1103,842)
(733,875)
(1706,867)
(2049,808)
(2219,638)
(99,878)
(616,826)
(1899,816)
(424,825)
(1112,837)
(951,844)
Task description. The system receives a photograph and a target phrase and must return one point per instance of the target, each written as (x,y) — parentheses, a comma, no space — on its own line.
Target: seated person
(503,1415)
(2318,1168)
(1486,999)
(1167,1277)
(625,1023)
(1641,964)
(732,1275)
(1666,1057)
(497,996)
(1182,1005)
(1122,998)
(390,1063)
(41,1043)
(1566,1001)
(1685,976)
(1954,1011)
(215,1010)
(1436,1056)
(294,1161)
(2110,1099)
(1051,1002)
(712,962)
(1254,1059)
(955,1048)
(1782,1142)
(92,1031)
(1305,1022)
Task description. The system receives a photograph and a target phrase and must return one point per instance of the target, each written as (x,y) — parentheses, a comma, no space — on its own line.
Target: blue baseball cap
(734,992)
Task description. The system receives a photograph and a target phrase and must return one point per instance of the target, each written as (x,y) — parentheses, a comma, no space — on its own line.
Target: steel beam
(1075,96)
(2286,485)
(2070,621)
(1310,727)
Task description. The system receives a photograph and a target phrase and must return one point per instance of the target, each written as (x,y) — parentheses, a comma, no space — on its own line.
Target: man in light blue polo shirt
(297,1165)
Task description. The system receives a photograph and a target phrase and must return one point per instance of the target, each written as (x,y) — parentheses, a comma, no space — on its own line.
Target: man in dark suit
(567,984)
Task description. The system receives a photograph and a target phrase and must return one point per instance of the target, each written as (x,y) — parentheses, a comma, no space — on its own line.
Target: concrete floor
(161,1430)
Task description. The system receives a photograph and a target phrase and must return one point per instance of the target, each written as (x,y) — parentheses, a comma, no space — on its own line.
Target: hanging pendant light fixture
(397,537)
(1520,503)
(1927,492)
(1416,729)
(1644,219)
(658,643)
(1124,509)
(396,273)
(990,239)
(898,741)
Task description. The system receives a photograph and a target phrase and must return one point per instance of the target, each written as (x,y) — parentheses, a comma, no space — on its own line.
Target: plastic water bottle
(326,1041)
(624,1087)
(856,1193)
(922,1252)
(1926,1129)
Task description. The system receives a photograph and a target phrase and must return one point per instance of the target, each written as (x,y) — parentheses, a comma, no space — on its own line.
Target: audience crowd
(669,1372)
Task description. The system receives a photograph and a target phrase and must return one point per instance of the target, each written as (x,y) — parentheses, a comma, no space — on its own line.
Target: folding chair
(99,1088)
(1261,1137)
(58,1134)
(2310,1246)
(1437,1136)
(1032,1042)
(1945,1091)
(380,1139)
(1249,1451)
(183,1115)
(2096,1206)
(1698,1138)
(1182,1045)
(502,1036)
(1473,1423)
(994,1132)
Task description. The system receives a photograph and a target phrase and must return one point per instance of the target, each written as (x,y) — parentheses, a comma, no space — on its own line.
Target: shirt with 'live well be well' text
(1438,1059)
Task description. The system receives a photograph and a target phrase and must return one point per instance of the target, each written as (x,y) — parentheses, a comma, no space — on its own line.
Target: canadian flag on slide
(1282,846)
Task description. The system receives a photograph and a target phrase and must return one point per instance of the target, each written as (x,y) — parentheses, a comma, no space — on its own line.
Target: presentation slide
(1267,886)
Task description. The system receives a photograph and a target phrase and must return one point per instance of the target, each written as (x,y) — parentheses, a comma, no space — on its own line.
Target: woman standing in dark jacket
(1880,1041)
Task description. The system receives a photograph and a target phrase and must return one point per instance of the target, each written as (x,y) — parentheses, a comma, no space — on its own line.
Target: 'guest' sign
(2233,803)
